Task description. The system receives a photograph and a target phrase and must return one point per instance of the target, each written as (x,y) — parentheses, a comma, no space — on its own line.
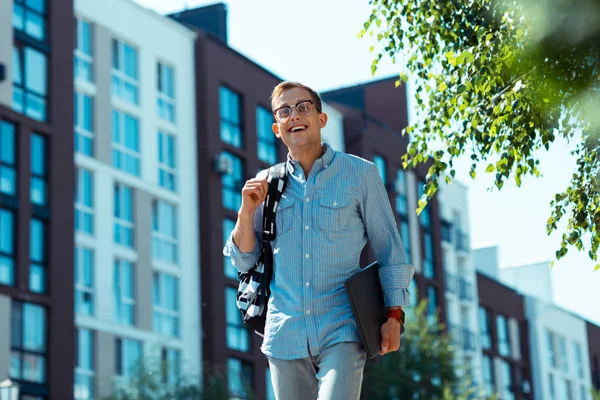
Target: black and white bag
(253,290)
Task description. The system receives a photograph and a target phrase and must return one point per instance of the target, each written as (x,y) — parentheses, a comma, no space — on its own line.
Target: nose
(292,112)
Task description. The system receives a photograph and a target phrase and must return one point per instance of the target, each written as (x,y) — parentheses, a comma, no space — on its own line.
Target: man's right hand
(254,193)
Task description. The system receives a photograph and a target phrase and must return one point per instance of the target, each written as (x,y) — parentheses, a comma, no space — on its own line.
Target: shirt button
(307,199)
(307,312)
(325,165)
(335,203)
(306,227)
(307,284)
(307,255)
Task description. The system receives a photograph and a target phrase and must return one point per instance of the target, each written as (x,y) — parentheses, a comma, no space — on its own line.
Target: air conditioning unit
(223,165)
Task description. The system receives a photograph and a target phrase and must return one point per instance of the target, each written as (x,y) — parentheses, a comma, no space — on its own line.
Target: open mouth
(297,128)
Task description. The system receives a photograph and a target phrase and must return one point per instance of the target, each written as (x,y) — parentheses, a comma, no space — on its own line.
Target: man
(332,204)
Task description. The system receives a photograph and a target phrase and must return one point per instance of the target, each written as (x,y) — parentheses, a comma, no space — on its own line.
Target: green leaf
(597,267)
(490,168)
(473,174)
(442,86)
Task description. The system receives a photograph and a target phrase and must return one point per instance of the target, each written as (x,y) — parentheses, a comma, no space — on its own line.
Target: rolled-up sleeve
(395,273)
(244,262)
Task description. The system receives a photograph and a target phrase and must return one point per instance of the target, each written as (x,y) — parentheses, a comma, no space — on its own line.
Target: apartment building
(137,247)
(36,197)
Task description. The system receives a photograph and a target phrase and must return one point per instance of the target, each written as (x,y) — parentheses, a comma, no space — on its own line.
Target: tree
(424,365)
(499,81)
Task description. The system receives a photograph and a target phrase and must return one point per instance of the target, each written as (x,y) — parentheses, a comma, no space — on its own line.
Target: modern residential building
(235,142)
(593,335)
(137,255)
(36,197)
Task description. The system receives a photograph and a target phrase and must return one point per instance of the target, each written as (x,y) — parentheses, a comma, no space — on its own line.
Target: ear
(275,129)
(323,120)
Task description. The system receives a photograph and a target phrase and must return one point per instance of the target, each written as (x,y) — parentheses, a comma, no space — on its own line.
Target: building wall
(156,39)
(593,335)
(544,317)
(333,133)
(532,279)
(6,45)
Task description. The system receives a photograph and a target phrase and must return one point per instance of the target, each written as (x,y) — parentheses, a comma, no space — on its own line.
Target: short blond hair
(290,85)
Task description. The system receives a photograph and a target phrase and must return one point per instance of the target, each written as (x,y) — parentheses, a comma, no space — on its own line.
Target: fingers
(256,187)
(390,339)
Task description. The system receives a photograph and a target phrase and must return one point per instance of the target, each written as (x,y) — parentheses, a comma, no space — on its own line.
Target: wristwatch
(398,314)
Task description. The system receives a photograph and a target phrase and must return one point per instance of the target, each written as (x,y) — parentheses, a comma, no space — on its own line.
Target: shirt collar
(323,162)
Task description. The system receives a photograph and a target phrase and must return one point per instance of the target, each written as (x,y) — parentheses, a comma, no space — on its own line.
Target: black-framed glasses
(302,107)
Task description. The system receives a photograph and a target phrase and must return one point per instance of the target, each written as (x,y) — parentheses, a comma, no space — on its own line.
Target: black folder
(366,297)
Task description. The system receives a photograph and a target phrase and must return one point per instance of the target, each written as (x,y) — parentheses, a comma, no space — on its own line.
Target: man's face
(298,130)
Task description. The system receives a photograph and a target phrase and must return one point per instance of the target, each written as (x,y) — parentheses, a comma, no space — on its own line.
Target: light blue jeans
(335,374)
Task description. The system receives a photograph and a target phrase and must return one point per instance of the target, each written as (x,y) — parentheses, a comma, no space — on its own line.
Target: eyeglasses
(302,107)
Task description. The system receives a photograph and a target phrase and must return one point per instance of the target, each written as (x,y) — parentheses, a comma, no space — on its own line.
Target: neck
(307,157)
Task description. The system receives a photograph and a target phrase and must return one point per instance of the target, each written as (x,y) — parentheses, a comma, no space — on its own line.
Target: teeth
(296,128)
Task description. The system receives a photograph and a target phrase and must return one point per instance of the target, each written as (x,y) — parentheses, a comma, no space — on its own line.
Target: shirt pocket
(333,213)
(284,215)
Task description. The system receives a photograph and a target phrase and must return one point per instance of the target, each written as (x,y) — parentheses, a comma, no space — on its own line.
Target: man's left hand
(390,336)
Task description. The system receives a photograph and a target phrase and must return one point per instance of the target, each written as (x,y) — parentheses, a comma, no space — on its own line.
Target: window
(552,386)
(37,256)
(381,167)
(124,292)
(432,304)
(230,270)
(167,169)
(564,389)
(578,359)
(84,124)
(424,217)
(84,58)
(267,142)
(123,215)
(28,342)
(84,370)
(507,382)
(238,336)
(39,170)
(128,355)
(7,247)
(585,392)
(125,83)
(231,125)
(484,328)
(165,301)
(125,143)
(564,360)
(400,189)
(166,92)
(488,375)
(84,281)
(428,269)
(29,18)
(503,342)
(30,82)
(164,232)
(239,378)
(8,180)
(233,183)
(171,360)
(550,346)
(84,202)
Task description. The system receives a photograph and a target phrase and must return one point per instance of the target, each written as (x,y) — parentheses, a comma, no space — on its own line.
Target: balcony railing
(465,290)
(451,283)
(461,241)
(468,339)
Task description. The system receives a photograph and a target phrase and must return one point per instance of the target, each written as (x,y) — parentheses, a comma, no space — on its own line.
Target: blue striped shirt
(323,223)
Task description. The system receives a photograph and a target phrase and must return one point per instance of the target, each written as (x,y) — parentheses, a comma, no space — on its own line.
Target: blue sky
(315,42)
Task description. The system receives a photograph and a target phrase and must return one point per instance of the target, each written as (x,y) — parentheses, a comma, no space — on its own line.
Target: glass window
(84,124)
(267,141)
(381,167)
(30,74)
(37,256)
(484,329)
(84,281)
(165,304)
(578,359)
(431,304)
(7,247)
(125,83)
(164,232)
(564,389)
(552,386)
(238,336)
(424,216)
(39,170)
(128,355)
(124,292)
(28,342)
(8,174)
(84,59)
(503,342)
(231,125)
(125,143)
(166,92)
(167,167)
(428,267)
(84,202)
(230,270)
(507,382)
(564,360)
(239,378)
(84,371)
(551,348)
(233,183)
(29,17)
(123,226)
(171,360)
(488,375)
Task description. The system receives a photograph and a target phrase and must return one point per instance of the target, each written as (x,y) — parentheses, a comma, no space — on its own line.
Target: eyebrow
(287,105)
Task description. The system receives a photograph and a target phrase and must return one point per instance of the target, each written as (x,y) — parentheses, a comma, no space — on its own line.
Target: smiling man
(333,203)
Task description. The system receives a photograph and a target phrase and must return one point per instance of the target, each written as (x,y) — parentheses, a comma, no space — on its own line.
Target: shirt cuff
(244,262)
(396,298)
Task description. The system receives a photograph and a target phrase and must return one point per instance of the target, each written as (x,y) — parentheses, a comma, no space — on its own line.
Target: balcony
(451,283)
(461,241)
(468,340)
(446,231)
(465,290)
